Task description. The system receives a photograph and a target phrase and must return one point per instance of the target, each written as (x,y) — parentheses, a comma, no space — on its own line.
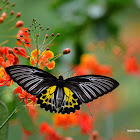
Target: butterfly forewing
(90,87)
(31,79)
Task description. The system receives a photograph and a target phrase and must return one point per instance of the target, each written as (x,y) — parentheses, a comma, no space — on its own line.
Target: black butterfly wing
(90,87)
(31,79)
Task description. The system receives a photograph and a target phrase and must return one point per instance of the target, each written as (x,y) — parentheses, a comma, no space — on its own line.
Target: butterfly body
(60,95)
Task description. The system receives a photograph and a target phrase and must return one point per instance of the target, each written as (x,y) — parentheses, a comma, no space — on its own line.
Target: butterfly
(59,95)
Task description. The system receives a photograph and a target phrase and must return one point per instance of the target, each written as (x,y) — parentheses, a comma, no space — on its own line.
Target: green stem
(3,43)
(15,110)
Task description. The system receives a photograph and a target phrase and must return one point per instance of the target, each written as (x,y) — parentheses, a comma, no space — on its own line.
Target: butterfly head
(60,77)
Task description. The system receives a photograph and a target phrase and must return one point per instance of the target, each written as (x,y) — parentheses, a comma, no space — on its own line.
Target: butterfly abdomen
(59,96)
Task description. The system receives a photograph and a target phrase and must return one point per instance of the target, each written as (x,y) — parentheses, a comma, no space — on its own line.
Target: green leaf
(3,117)
(25,119)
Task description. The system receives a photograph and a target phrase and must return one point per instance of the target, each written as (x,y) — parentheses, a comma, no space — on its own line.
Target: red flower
(131,65)
(32,110)
(10,61)
(20,51)
(75,119)
(10,54)
(23,95)
(26,133)
(103,70)
(49,133)
(23,37)
(85,122)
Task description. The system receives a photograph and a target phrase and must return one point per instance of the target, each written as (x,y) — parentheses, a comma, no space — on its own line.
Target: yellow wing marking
(69,98)
(48,95)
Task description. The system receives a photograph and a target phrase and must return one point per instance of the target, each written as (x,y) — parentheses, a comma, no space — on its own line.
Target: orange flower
(42,59)
(5,78)
(88,61)
(103,70)
(49,132)
(23,95)
(90,65)
(131,65)
(23,36)
(65,120)
(80,70)
(81,119)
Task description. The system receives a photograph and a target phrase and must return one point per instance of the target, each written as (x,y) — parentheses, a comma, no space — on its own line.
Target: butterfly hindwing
(90,87)
(70,103)
(31,79)
(48,100)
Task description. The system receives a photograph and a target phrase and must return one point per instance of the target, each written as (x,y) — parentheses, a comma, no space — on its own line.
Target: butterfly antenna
(89,110)
(69,70)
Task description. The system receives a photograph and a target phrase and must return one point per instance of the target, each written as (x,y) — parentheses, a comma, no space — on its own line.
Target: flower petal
(48,54)
(50,65)
(35,53)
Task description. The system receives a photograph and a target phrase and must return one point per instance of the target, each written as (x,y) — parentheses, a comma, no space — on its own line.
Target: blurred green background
(85,23)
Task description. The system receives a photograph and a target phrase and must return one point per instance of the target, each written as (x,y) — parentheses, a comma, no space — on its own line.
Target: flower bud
(4,15)
(12,12)
(15,48)
(28,57)
(13,4)
(0,8)
(58,34)
(66,51)
(18,39)
(10,51)
(7,7)
(47,48)
(52,34)
(7,2)
(46,35)
(19,23)
(1,19)
(95,135)
(18,15)
(48,28)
